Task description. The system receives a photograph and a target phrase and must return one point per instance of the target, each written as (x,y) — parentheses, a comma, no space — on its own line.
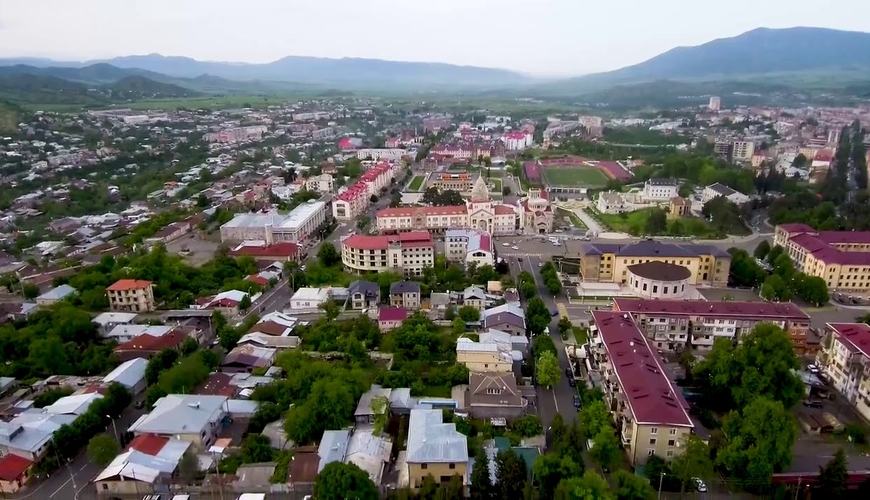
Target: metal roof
(431,440)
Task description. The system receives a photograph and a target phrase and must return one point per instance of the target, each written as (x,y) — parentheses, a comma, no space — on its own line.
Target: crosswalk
(520,253)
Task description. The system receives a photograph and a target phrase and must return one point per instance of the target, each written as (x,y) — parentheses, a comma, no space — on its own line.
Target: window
(652,441)
(452,466)
(493,392)
(424,466)
(654,430)
(672,432)
(670,453)
(672,442)
(650,452)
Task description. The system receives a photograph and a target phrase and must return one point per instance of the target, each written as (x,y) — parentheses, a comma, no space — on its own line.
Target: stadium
(573,175)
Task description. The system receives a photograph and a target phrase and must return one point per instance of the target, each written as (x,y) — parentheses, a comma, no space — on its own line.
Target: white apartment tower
(715,103)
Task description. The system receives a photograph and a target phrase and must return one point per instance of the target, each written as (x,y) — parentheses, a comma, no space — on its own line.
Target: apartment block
(841,258)
(650,412)
(131,295)
(845,358)
(406,253)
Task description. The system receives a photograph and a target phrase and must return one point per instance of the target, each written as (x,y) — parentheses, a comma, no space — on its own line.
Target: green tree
(537,316)
(547,367)
(340,481)
(256,448)
(512,474)
(775,289)
(593,417)
(758,440)
(656,221)
(605,451)
(744,270)
(245,303)
(328,256)
(693,461)
(762,250)
(469,314)
(527,426)
(458,326)
(565,326)
(813,289)
(774,253)
(542,344)
(632,487)
(481,487)
(590,486)
(550,469)
(102,449)
(833,477)
(330,309)
(30,291)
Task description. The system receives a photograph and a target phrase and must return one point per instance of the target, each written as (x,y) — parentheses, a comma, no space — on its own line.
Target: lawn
(634,223)
(575,221)
(416,183)
(574,176)
(497,183)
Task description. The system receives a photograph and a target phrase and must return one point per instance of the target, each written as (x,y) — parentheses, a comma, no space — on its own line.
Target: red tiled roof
(796,227)
(146,342)
(122,285)
(258,279)
(374,242)
(283,249)
(217,384)
(855,336)
(502,210)
(747,310)
(841,237)
(12,467)
(149,444)
(650,394)
(269,328)
(392,314)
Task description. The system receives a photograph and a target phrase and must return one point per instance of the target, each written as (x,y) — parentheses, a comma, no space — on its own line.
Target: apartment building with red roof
(406,253)
(845,359)
(841,258)
(131,296)
(650,412)
(353,202)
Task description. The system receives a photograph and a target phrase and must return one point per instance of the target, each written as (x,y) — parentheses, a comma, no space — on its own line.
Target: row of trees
(551,278)
(785,281)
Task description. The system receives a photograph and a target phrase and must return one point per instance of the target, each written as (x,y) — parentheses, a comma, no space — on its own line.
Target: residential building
(147,466)
(126,333)
(650,412)
(435,449)
(75,404)
(29,433)
(845,359)
(247,357)
(679,207)
(298,226)
(390,318)
(405,294)
(131,295)
(841,258)
(130,374)
(393,154)
(170,233)
(743,150)
(309,299)
(407,253)
(364,295)
(15,471)
(608,262)
(515,141)
(717,189)
(227,303)
(146,346)
(109,320)
(509,318)
(660,189)
(475,297)
(195,418)
(674,324)
(494,395)
(715,104)
(55,295)
(353,202)
(469,246)
(485,356)
(323,183)
(358,446)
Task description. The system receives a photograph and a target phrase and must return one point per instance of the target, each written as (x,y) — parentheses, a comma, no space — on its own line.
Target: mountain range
(780,58)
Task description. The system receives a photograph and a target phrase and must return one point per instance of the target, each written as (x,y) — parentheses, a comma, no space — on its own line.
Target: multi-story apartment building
(514,141)
(845,358)
(841,258)
(353,202)
(675,324)
(131,295)
(608,262)
(406,253)
(743,150)
(323,183)
(239,134)
(296,227)
(650,412)
(381,154)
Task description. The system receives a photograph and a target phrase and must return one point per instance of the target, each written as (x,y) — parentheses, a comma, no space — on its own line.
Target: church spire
(480,192)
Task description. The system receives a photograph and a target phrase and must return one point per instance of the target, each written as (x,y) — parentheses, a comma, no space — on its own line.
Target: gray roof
(663,181)
(364,407)
(473,292)
(431,440)
(405,287)
(333,446)
(181,414)
(58,293)
(366,288)
(480,383)
(401,398)
(722,189)
(510,313)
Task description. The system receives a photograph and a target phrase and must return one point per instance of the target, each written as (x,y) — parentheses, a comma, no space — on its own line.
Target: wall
(417,473)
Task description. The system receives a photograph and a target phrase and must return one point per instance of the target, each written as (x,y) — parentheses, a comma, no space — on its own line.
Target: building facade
(845,358)
(660,189)
(841,258)
(406,253)
(298,226)
(131,296)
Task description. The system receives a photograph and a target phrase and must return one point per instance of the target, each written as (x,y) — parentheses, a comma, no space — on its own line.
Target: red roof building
(13,472)
(128,285)
(146,346)
(841,258)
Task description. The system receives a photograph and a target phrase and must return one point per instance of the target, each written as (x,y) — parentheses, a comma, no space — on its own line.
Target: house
(14,473)
(126,333)
(508,318)
(486,356)
(435,449)
(391,317)
(517,344)
(29,433)
(717,189)
(194,418)
(109,320)
(358,446)
(16,311)
(130,374)
(227,303)
(147,466)
(145,346)
(475,297)
(275,324)
(405,294)
(494,395)
(679,207)
(75,404)
(55,295)
(308,299)
(364,295)
(365,413)
(246,358)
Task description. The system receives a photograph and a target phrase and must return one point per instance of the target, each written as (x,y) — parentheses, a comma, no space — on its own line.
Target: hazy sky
(546,37)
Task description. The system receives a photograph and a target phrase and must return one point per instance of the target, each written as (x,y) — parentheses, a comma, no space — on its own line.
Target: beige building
(131,295)
(483,357)
(323,183)
(406,253)
(435,449)
(845,359)
(609,262)
(650,412)
(461,182)
(841,258)
(679,207)
(743,150)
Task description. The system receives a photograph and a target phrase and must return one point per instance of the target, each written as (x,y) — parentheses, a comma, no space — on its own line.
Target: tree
(542,344)
(506,191)
(744,270)
(632,487)
(481,487)
(527,426)
(330,309)
(256,448)
(469,314)
(762,250)
(758,440)
(775,289)
(550,469)
(774,253)
(512,474)
(188,467)
(30,291)
(328,255)
(813,289)
(245,303)
(458,326)
(656,221)
(102,449)
(593,417)
(590,486)
(339,481)
(833,477)
(605,451)
(373,198)
(547,367)
(565,326)
(694,461)
(537,316)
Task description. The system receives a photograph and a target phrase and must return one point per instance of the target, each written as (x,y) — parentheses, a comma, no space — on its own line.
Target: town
(349,298)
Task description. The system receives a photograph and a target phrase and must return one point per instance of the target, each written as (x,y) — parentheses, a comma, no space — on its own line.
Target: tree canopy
(339,481)
(537,316)
(547,367)
(758,440)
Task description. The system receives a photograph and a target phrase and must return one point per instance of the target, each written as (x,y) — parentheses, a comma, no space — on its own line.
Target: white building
(714,190)
(307,299)
(407,253)
(469,245)
(271,227)
(661,189)
(514,141)
(743,150)
(323,183)
(715,103)
(352,202)
(381,154)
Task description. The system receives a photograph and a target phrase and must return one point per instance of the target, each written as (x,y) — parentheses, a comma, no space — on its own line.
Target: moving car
(515,247)
(505,244)
(813,404)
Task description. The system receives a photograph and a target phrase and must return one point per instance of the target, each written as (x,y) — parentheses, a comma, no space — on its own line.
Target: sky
(538,37)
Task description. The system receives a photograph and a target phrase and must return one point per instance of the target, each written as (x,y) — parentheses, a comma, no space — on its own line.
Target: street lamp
(115,428)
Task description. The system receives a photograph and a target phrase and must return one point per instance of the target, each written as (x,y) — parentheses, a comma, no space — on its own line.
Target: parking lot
(195,248)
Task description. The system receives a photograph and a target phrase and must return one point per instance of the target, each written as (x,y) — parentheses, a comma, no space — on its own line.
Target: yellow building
(483,357)
(435,449)
(845,358)
(609,262)
(679,207)
(841,258)
(650,413)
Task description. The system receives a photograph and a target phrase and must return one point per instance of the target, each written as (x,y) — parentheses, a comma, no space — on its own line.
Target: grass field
(497,183)
(574,176)
(416,183)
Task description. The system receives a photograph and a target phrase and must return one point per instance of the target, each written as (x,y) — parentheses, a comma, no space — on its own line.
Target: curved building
(658,280)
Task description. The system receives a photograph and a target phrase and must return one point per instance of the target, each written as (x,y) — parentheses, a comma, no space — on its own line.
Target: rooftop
(650,394)
(181,414)
(392,314)
(126,285)
(383,242)
(128,373)
(753,310)
(660,271)
(13,466)
(653,248)
(430,440)
(300,215)
(855,336)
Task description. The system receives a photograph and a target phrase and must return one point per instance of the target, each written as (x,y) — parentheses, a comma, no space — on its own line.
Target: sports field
(580,176)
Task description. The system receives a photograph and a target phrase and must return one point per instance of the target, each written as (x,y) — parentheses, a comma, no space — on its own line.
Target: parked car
(140,404)
(699,485)
(572,382)
(813,404)
(577,402)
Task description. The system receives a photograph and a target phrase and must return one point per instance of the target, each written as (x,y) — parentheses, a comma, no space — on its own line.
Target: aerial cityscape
(337,276)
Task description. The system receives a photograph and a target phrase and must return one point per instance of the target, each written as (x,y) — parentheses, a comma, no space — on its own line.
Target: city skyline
(548,38)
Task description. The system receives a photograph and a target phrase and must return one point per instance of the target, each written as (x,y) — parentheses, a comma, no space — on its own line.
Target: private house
(247,358)
(130,374)
(109,320)
(146,345)
(485,356)
(508,318)
(309,299)
(435,449)
(126,333)
(193,418)
(55,295)
(14,473)
(364,295)
(131,295)
(29,433)
(679,207)
(475,297)
(356,446)
(227,303)
(405,294)
(147,466)
(494,395)
(365,414)
(391,317)
(716,190)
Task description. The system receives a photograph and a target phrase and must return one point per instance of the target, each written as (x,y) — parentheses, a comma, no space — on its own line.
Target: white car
(699,485)
(505,244)
(515,247)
